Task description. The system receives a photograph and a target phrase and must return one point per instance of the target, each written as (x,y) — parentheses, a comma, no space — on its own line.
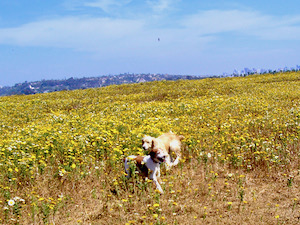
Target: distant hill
(46,86)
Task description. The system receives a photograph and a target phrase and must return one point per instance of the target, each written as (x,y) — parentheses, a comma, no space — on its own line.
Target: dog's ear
(181,137)
(153,144)
(152,154)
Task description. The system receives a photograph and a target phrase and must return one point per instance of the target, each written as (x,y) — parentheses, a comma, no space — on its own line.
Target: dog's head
(157,154)
(147,142)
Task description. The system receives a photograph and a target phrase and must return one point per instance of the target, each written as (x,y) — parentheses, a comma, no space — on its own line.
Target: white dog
(149,162)
(168,142)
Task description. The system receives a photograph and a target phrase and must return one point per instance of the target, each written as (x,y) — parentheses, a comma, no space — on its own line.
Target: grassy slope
(62,153)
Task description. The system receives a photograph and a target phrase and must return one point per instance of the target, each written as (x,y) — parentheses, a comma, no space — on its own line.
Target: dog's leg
(168,162)
(127,170)
(154,178)
(175,146)
(126,166)
(176,161)
(158,173)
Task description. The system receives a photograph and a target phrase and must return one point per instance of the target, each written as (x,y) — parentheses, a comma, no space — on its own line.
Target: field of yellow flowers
(61,153)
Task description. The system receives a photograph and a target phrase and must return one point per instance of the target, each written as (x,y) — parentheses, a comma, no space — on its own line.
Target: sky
(59,39)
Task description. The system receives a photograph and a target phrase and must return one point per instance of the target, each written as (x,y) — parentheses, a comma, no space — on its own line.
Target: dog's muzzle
(161,159)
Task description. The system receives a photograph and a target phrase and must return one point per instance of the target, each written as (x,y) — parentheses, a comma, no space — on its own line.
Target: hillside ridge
(46,86)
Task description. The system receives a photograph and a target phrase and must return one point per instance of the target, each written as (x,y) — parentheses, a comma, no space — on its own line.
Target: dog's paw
(160,191)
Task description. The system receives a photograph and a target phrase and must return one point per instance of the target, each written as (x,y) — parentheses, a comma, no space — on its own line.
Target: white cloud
(71,32)
(123,36)
(106,5)
(159,6)
(250,23)
(216,21)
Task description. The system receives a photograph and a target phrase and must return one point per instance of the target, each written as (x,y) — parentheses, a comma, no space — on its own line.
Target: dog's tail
(181,137)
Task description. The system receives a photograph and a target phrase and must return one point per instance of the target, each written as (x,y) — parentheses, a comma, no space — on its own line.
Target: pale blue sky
(58,39)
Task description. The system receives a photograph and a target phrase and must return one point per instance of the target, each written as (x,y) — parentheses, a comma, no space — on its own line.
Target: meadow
(61,153)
